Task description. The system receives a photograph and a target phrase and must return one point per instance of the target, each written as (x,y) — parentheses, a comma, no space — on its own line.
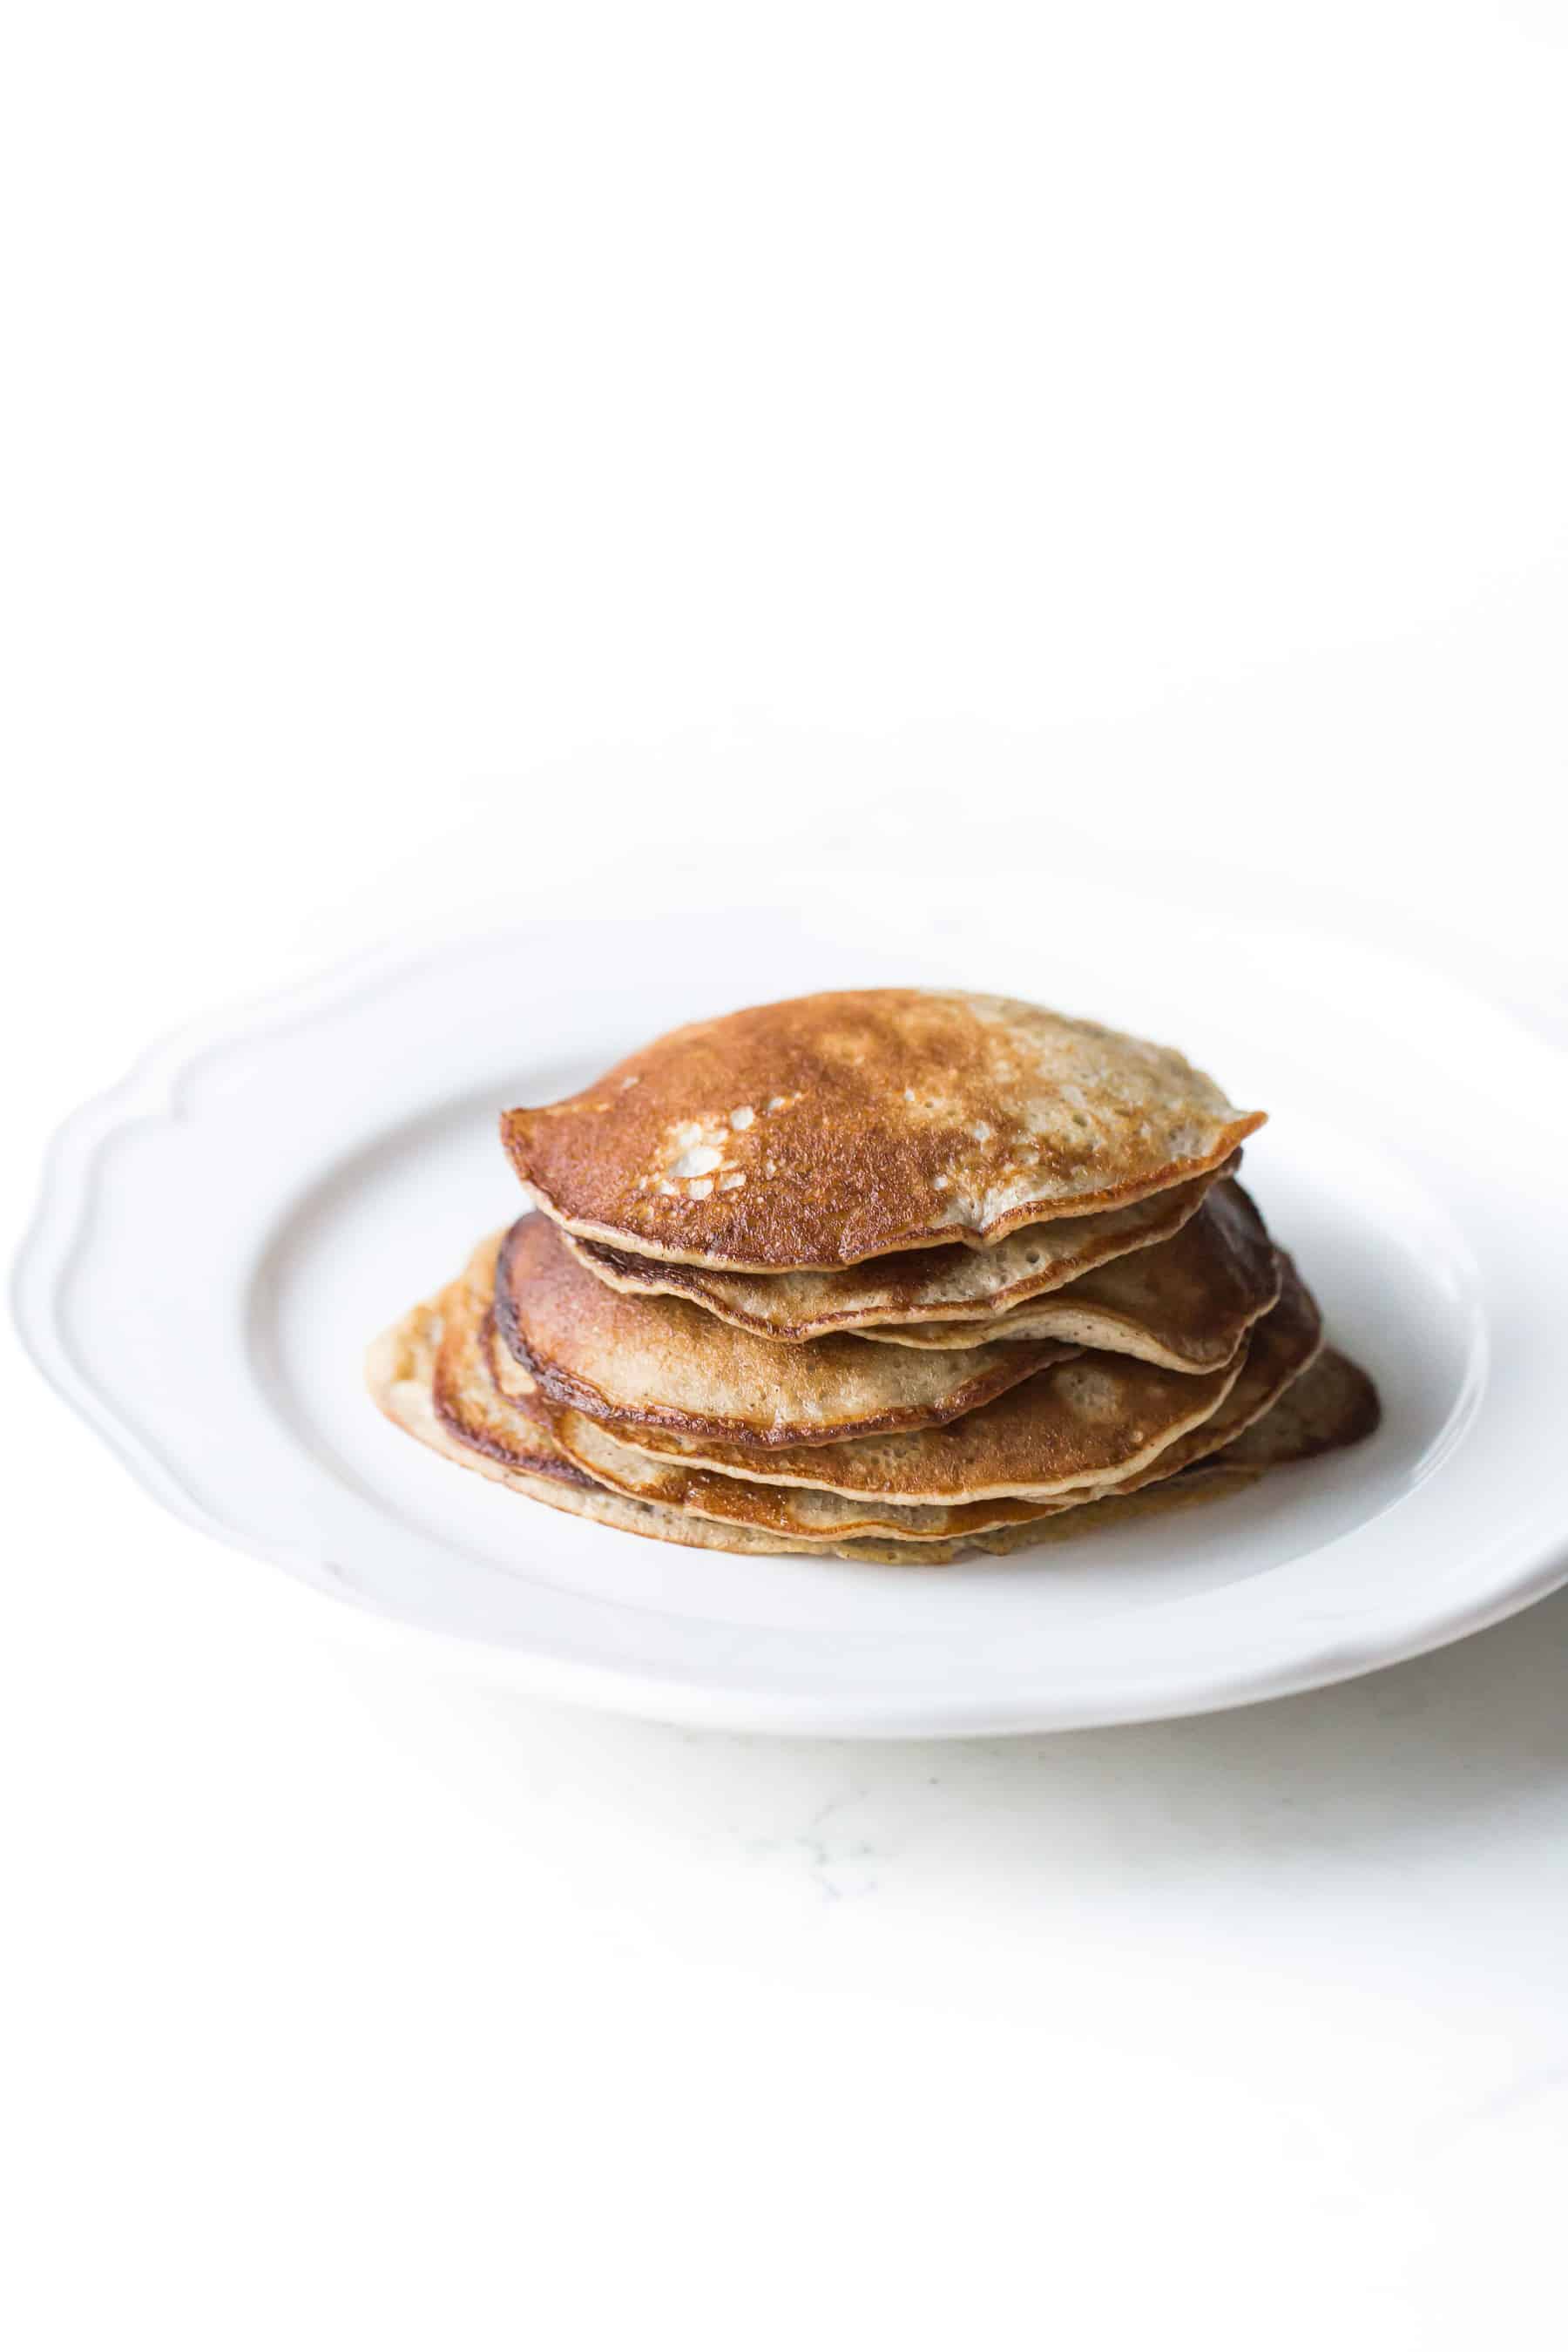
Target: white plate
(219,1237)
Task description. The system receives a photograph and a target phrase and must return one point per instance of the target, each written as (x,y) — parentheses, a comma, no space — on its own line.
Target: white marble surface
(442,468)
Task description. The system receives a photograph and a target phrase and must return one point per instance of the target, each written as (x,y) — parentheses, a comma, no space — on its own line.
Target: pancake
(1333,1404)
(829,1129)
(1283,1344)
(809,1511)
(426,1374)
(663,1364)
(949,1281)
(400,1373)
(528,1430)
(1280,1351)
(1088,1421)
(1187,1302)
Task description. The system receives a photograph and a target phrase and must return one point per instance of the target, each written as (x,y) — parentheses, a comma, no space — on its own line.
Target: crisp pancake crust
(1187,1302)
(959,1286)
(663,1363)
(833,1128)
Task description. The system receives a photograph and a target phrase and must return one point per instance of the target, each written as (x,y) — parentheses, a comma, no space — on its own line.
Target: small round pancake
(1187,1302)
(662,1363)
(1092,1422)
(956,1284)
(832,1128)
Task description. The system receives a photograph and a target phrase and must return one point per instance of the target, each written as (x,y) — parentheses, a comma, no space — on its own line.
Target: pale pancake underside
(956,1286)
(665,1364)
(834,1129)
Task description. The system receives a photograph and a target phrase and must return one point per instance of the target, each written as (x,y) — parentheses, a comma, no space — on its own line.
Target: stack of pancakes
(892,1274)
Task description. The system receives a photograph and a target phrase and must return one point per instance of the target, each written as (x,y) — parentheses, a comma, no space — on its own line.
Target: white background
(449,448)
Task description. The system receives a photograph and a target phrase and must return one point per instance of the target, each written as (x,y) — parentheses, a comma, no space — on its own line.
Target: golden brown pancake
(1088,1421)
(951,1282)
(664,1364)
(833,1128)
(428,1376)
(528,1430)
(400,1374)
(1187,1302)
(1283,1344)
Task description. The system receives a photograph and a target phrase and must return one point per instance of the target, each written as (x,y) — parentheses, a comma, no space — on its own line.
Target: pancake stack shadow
(894,1275)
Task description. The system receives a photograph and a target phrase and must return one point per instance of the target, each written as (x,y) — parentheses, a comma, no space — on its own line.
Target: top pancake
(828,1130)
